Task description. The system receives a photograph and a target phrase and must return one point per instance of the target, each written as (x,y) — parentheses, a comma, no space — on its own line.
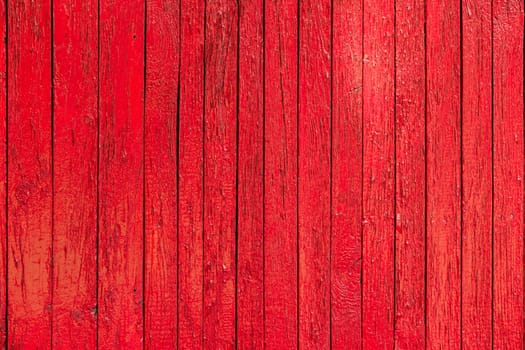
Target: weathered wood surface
(262,174)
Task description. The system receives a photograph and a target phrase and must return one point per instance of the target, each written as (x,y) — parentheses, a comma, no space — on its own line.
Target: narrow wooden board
(347,168)
(3,176)
(191,138)
(121,179)
(508,173)
(378,175)
(314,197)
(280,174)
(476,131)
(220,173)
(75,78)
(30,188)
(410,175)
(161,157)
(250,265)
(443,175)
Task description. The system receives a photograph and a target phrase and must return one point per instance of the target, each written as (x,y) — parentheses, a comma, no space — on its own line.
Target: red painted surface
(30,176)
(280,175)
(161,152)
(443,173)
(250,288)
(121,175)
(476,176)
(347,176)
(220,173)
(314,126)
(508,172)
(410,173)
(75,78)
(190,186)
(258,174)
(378,175)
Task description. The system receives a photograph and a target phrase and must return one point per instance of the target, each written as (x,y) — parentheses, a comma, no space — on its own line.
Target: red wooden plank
(314,126)
(220,168)
(508,174)
(3,178)
(347,163)
(378,175)
(30,174)
(410,175)
(280,174)
(191,175)
(162,86)
(476,131)
(250,322)
(75,174)
(443,175)
(121,175)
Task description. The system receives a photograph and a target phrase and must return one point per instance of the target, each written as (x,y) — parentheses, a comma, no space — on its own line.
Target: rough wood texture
(410,175)
(378,174)
(3,176)
(314,198)
(75,116)
(443,166)
(476,131)
(347,167)
(161,157)
(121,181)
(250,266)
(262,174)
(280,174)
(30,187)
(220,173)
(508,148)
(191,138)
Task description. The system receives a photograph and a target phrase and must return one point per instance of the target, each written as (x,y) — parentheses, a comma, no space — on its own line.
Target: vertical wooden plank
(378,175)
(30,174)
(75,173)
(476,133)
(3,176)
(347,167)
(280,174)
(120,287)
(191,108)
(220,169)
(443,174)
(161,155)
(410,175)
(508,174)
(314,127)
(250,322)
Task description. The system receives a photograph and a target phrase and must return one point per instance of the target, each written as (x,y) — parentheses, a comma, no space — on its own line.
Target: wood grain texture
(280,174)
(378,175)
(75,146)
(3,176)
(250,265)
(220,173)
(30,187)
(347,167)
(410,175)
(508,148)
(314,197)
(121,181)
(476,131)
(443,166)
(161,157)
(191,138)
